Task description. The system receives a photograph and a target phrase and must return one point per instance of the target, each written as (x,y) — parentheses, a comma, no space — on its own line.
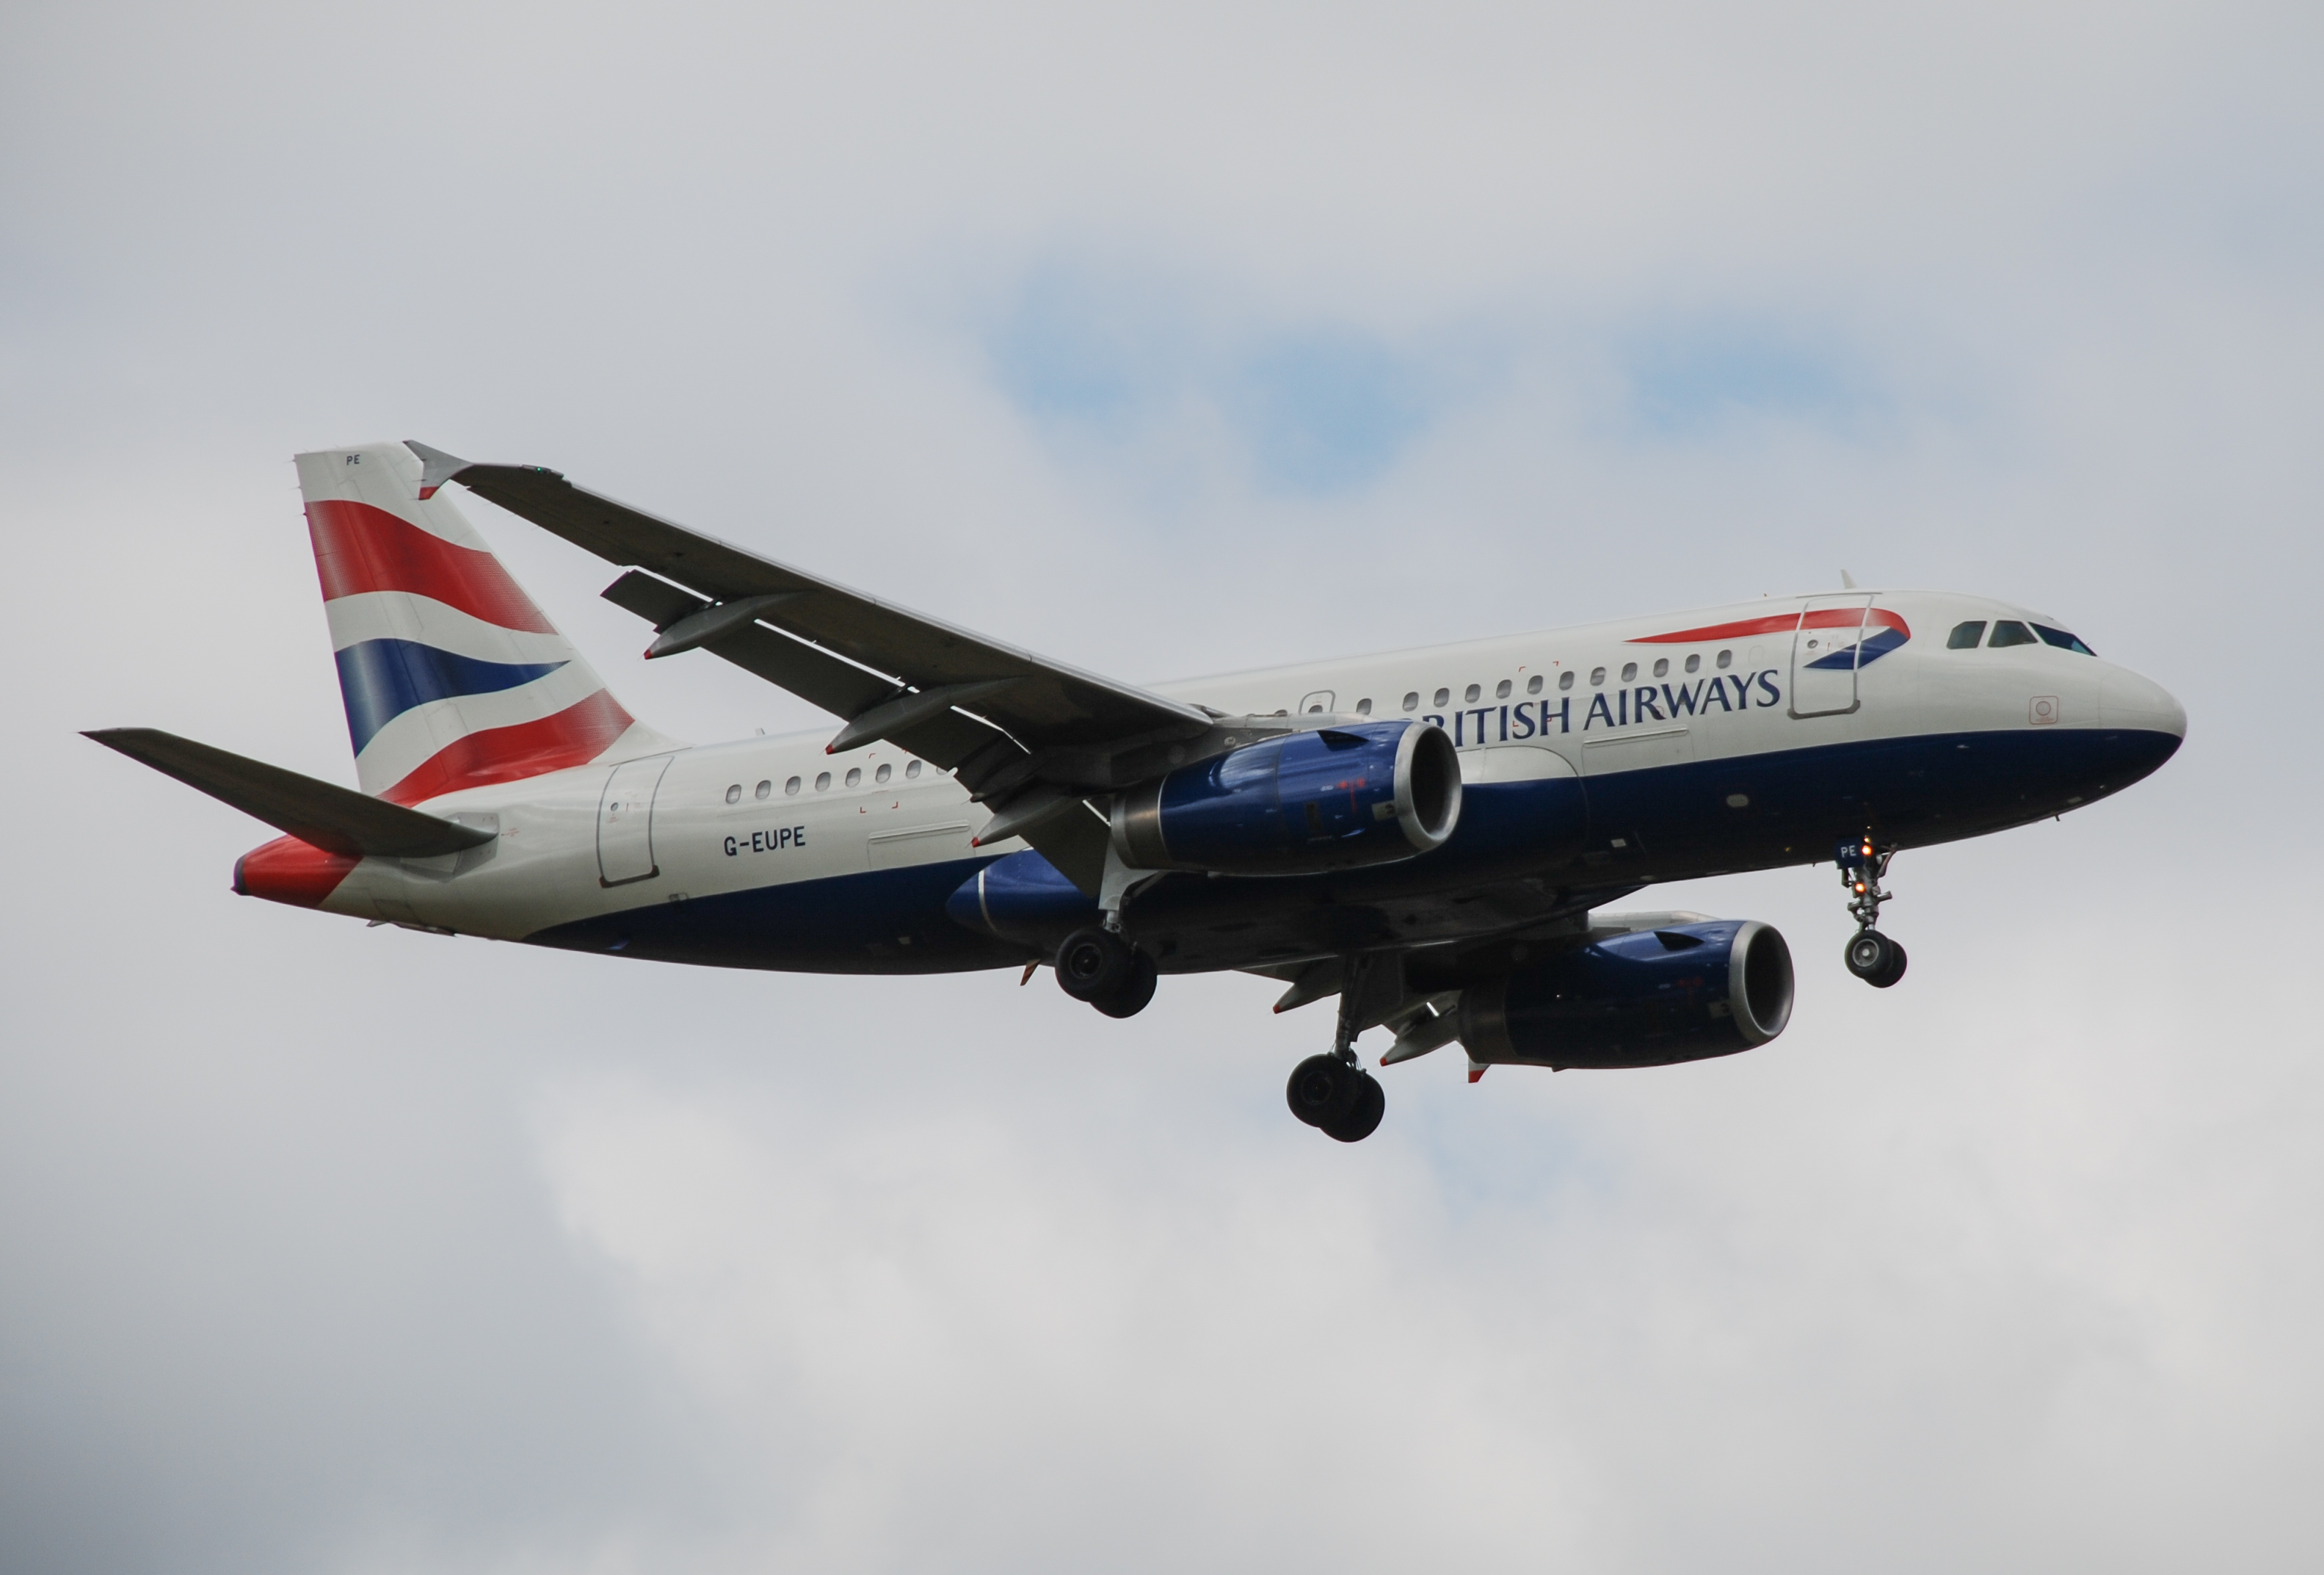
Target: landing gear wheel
(1093,964)
(1874,959)
(1895,972)
(1361,1121)
(1343,1101)
(1323,1090)
(1137,990)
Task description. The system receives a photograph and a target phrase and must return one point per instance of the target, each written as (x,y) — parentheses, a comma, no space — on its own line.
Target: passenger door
(1824,648)
(625,822)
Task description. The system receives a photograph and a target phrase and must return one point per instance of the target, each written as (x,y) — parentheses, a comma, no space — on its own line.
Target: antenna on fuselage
(1847,580)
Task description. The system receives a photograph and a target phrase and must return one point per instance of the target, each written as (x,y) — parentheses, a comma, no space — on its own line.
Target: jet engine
(1648,998)
(1368,793)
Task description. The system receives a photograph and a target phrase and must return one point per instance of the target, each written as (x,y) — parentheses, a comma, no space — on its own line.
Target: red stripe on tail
(575,736)
(359,548)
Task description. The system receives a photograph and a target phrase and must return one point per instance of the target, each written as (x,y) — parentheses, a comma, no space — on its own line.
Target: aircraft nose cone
(2127,700)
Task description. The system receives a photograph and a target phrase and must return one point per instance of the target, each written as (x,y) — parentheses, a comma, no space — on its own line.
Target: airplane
(1430,835)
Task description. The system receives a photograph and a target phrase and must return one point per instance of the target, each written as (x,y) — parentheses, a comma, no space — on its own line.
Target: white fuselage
(764,812)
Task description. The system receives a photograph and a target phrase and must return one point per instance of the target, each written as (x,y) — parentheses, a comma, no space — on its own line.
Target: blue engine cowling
(1367,794)
(1682,993)
(1022,898)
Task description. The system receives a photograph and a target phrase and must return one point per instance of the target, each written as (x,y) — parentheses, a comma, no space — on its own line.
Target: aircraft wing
(1025,734)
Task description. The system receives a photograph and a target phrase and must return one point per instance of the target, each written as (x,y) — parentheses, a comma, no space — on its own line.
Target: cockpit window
(2010,632)
(1965,636)
(2062,640)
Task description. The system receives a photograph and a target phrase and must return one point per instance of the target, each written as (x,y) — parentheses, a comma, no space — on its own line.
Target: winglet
(435,467)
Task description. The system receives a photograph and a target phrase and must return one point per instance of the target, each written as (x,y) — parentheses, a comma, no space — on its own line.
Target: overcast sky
(1164,341)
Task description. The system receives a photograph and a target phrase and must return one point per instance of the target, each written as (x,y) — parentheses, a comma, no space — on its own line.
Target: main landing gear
(1331,1092)
(1871,955)
(1337,1096)
(1100,967)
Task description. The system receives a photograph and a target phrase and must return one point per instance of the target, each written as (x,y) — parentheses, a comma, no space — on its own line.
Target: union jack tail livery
(451,676)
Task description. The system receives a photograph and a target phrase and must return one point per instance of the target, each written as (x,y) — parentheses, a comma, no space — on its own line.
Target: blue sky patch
(1317,409)
(1684,383)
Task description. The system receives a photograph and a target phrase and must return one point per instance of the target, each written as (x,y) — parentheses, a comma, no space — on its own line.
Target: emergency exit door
(1825,649)
(625,822)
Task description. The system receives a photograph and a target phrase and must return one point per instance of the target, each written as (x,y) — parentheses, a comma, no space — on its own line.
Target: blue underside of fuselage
(1608,833)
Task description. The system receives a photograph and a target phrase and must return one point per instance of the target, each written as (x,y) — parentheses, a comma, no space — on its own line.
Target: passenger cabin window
(1443,697)
(2062,640)
(854,776)
(1411,700)
(883,774)
(912,768)
(1597,676)
(1363,708)
(1662,667)
(762,789)
(822,780)
(735,793)
(790,787)
(1695,663)
(1533,684)
(1501,690)
(2009,631)
(1565,679)
(1965,636)
(1726,660)
(1471,697)
(1629,671)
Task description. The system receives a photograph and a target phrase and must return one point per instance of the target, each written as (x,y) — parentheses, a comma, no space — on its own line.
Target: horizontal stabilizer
(322,814)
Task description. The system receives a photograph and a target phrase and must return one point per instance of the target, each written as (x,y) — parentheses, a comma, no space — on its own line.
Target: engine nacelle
(1682,993)
(1369,792)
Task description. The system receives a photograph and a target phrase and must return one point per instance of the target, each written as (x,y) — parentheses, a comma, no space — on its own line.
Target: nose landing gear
(1871,955)
(1874,959)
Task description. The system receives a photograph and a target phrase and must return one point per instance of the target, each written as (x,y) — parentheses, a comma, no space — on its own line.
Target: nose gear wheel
(1870,956)
(1874,959)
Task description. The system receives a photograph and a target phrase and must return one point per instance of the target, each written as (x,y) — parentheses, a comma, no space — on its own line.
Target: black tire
(1136,991)
(1323,1090)
(1871,957)
(1363,1118)
(1093,964)
(1895,971)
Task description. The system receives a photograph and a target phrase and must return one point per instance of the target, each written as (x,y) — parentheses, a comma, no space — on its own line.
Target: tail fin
(452,677)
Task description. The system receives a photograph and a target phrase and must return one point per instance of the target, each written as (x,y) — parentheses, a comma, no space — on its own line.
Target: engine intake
(1651,999)
(1369,792)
